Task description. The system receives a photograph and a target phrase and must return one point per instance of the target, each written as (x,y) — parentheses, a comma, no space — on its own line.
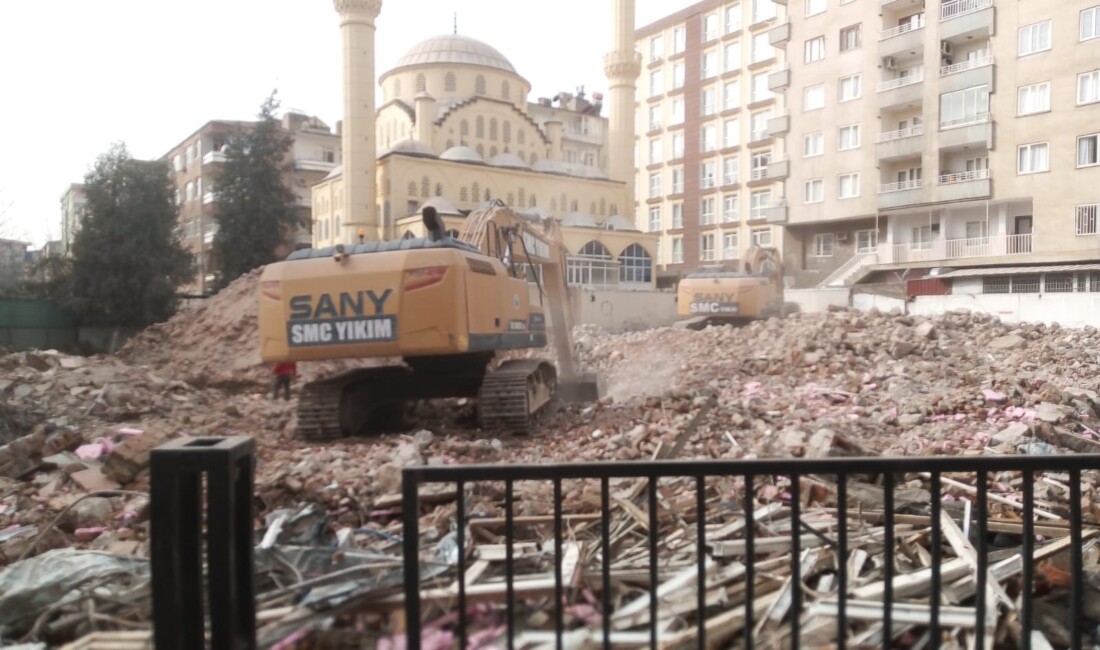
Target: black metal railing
(936,600)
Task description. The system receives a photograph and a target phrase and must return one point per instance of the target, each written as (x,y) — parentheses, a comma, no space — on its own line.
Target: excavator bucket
(583,388)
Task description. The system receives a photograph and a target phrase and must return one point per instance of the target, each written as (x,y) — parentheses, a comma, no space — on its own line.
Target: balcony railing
(900,187)
(978,118)
(901,29)
(900,82)
(759,173)
(969,64)
(213,157)
(964,177)
(910,132)
(208,198)
(953,249)
(958,8)
(758,135)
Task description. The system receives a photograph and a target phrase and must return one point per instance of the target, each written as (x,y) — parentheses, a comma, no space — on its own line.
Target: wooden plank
(992,496)
(762,545)
(426,497)
(499,552)
(782,604)
(916,583)
(533,520)
(686,578)
(719,628)
(908,613)
(758,515)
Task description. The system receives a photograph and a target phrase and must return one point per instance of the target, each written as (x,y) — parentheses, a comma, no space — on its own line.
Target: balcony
(212,157)
(962,186)
(969,64)
(758,136)
(779,125)
(776,213)
(779,35)
(903,143)
(967,19)
(896,195)
(901,91)
(779,81)
(973,130)
(908,37)
(967,74)
(955,249)
(779,168)
(307,165)
(759,213)
(303,237)
(959,8)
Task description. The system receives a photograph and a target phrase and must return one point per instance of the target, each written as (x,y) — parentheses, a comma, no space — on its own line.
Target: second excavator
(733,296)
(437,310)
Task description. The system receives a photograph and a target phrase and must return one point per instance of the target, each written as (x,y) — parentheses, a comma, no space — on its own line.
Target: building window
(505,90)
(493,129)
(189,191)
(760,90)
(733,18)
(656,48)
(731,170)
(851,38)
(1090,23)
(654,117)
(733,56)
(731,133)
(710,101)
(814,49)
(678,250)
(759,202)
(964,106)
(813,97)
(479,85)
(677,146)
(921,238)
(760,162)
(656,151)
(677,180)
(814,191)
(655,185)
(850,88)
(635,265)
(679,39)
(814,7)
(1087,219)
(421,83)
(677,111)
(762,50)
(762,10)
(823,244)
(655,218)
(813,144)
(593,266)
(706,211)
(730,208)
(710,27)
(1034,38)
(677,215)
(731,247)
(848,137)
(761,236)
(1088,87)
(450,83)
(1033,158)
(1087,148)
(758,124)
(866,241)
(731,95)
(1025,283)
(707,178)
(709,140)
(656,83)
(706,247)
(847,186)
(1058,282)
(710,64)
(677,75)
(1033,99)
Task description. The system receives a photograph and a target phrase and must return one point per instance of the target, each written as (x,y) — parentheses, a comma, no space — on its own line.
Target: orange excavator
(731,296)
(445,307)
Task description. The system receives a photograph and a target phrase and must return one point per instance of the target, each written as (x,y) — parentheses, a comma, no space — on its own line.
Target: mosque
(454,129)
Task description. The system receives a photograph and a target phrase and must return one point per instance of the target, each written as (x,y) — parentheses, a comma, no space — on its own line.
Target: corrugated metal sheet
(928,287)
(1009,270)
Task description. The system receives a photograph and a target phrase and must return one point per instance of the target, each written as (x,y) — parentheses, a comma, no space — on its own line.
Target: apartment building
(957,135)
(74,205)
(709,166)
(197,161)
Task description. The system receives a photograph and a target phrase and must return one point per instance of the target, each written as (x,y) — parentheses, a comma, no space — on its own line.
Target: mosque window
(480,126)
(476,192)
(522,198)
(421,83)
(479,85)
(397,87)
(412,188)
(439,189)
(425,187)
(511,199)
(614,209)
(493,152)
(488,194)
(507,131)
(533,201)
(573,205)
(534,157)
(564,202)
(449,83)
(493,129)
(481,151)
(463,195)
(603,207)
(505,90)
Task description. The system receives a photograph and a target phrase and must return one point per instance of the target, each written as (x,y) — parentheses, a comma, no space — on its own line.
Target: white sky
(76,76)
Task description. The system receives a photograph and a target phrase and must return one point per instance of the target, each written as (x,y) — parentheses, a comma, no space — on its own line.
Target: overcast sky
(76,75)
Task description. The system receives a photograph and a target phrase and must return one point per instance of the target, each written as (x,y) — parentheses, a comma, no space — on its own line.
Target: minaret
(622,66)
(359,148)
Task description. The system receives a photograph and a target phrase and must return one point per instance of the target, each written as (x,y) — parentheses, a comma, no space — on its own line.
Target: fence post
(176,503)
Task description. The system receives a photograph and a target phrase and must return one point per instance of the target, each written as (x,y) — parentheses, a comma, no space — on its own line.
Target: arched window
(492,152)
(480,126)
(521,136)
(533,201)
(493,129)
(464,130)
(488,194)
(449,82)
(522,198)
(481,151)
(592,266)
(439,189)
(408,235)
(564,203)
(397,87)
(479,85)
(476,191)
(511,199)
(507,131)
(505,90)
(421,83)
(614,209)
(603,207)
(573,206)
(463,195)
(425,187)
(412,188)
(635,265)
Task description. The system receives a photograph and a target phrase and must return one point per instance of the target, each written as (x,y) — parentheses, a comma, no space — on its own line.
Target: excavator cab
(732,296)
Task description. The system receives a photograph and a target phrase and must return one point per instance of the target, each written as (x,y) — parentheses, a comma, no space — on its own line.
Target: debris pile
(76,433)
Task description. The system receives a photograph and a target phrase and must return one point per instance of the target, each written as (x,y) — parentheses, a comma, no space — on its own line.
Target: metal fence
(969,585)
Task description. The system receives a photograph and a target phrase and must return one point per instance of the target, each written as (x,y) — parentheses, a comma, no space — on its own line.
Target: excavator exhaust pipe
(583,388)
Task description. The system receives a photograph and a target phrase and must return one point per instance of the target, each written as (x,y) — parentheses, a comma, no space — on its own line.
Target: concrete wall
(624,310)
(1067,310)
(816,300)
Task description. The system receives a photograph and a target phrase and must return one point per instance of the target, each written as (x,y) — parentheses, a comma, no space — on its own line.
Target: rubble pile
(75,432)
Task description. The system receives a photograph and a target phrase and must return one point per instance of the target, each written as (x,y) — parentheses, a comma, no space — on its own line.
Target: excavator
(445,307)
(732,296)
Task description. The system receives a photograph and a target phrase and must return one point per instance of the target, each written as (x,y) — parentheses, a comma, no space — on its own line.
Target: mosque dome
(410,147)
(453,48)
(579,220)
(619,222)
(441,205)
(462,153)
(550,167)
(506,159)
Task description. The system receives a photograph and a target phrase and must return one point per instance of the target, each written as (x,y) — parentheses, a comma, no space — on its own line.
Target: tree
(255,212)
(127,258)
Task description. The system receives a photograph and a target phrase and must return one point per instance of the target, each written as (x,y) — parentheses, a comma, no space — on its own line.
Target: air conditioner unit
(842,236)
(947,61)
(945,48)
(890,63)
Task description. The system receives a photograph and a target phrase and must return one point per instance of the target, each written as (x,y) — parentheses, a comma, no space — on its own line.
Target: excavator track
(342,405)
(515,393)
